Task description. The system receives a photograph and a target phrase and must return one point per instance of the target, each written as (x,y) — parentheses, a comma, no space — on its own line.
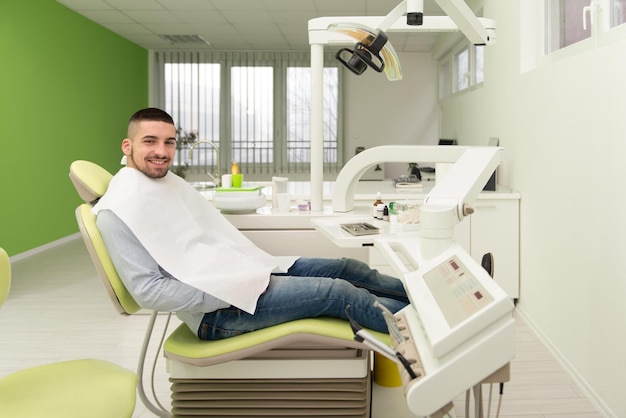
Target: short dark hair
(152,114)
(148,114)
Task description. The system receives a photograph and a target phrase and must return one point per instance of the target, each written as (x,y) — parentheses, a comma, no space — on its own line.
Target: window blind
(254,106)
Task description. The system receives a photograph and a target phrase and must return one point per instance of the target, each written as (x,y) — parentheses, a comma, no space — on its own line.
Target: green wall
(67,89)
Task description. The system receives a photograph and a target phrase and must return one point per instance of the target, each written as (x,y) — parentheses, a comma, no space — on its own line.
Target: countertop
(366,191)
(268,218)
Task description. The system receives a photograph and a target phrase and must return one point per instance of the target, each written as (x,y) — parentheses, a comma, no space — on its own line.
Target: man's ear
(126,146)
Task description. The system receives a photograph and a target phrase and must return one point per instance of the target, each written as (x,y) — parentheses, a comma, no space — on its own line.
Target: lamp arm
(452,198)
(449,202)
(345,185)
(467,22)
(393,16)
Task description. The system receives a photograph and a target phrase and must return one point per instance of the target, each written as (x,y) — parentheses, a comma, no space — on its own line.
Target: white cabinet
(291,233)
(494,228)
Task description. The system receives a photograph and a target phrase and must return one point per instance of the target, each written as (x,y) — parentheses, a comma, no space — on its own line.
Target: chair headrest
(90,180)
(5,275)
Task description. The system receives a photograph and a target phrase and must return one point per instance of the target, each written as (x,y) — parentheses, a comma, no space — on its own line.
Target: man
(175,252)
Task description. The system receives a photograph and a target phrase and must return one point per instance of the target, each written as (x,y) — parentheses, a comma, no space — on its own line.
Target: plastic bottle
(376,203)
(234,169)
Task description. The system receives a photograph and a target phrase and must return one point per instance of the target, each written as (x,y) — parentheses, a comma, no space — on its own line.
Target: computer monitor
(493,180)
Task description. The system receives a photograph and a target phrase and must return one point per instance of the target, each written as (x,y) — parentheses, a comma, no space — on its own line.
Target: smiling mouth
(158,162)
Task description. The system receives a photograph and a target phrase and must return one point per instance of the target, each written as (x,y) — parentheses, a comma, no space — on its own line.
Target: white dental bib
(189,238)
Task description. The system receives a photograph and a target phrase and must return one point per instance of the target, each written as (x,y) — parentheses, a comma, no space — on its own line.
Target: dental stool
(69,389)
(308,367)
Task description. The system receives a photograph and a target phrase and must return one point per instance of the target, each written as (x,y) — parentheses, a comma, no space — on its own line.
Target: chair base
(292,381)
(251,398)
(306,368)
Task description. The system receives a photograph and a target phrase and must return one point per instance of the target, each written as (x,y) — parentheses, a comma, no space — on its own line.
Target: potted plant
(184,140)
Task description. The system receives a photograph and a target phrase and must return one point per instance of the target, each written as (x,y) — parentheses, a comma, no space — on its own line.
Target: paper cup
(227,180)
(284,202)
(237,180)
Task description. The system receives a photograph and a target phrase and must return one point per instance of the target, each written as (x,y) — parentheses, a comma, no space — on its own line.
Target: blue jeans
(313,287)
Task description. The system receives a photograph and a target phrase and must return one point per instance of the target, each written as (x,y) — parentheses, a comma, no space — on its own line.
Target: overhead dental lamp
(371,47)
(363,54)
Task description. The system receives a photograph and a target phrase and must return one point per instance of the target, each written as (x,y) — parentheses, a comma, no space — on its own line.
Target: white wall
(562,124)
(404,112)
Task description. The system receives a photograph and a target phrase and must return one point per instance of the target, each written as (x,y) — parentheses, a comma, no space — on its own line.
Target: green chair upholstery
(185,346)
(121,298)
(70,389)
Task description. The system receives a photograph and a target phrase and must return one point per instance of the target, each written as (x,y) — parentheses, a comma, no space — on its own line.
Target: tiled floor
(58,310)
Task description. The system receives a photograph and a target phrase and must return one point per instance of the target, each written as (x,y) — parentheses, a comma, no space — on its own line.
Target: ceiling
(229,25)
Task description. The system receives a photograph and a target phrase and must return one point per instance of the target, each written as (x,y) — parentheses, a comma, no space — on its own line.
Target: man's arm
(150,285)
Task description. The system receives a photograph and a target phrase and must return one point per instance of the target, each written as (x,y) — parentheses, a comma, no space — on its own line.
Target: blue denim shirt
(150,285)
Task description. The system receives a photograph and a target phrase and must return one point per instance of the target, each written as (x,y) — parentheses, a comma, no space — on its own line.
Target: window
(479,66)
(298,105)
(252,114)
(192,94)
(569,22)
(461,69)
(564,21)
(253,106)
(618,12)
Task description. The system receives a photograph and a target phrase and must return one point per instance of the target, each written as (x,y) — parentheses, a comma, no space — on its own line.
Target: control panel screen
(456,290)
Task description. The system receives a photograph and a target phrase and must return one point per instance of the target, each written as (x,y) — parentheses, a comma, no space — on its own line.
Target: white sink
(202,185)
(239,202)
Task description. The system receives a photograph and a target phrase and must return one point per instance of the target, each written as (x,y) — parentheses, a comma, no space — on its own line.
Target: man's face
(150,147)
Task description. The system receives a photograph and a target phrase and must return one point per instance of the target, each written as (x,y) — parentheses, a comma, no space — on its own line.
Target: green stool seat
(70,389)
(186,347)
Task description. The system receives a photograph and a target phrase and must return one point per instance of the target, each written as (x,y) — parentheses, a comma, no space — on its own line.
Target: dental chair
(308,367)
(69,389)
